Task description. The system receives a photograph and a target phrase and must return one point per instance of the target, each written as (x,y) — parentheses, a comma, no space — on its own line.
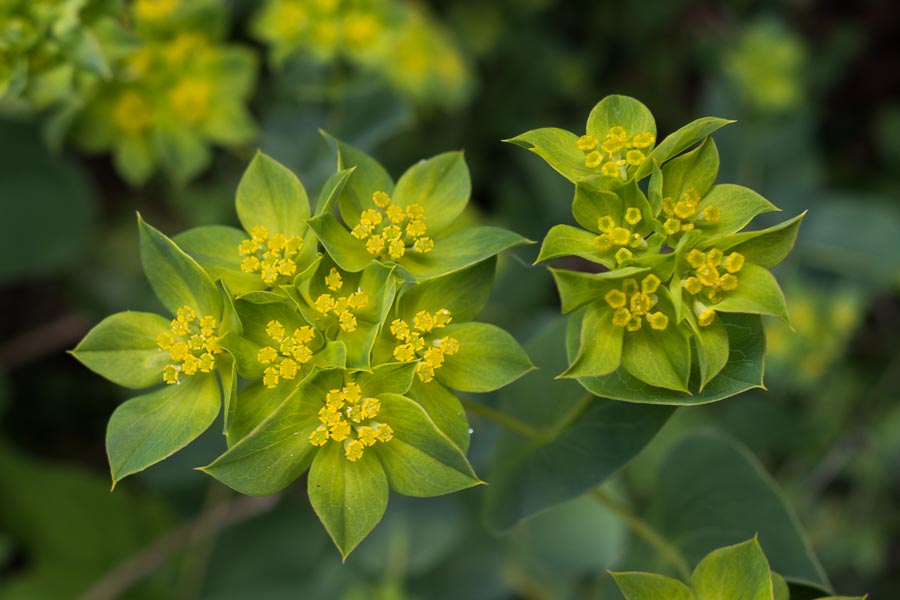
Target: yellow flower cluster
(613,235)
(293,351)
(633,304)
(347,418)
(341,307)
(192,344)
(709,280)
(270,256)
(155,10)
(681,214)
(616,151)
(414,347)
(131,112)
(191,99)
(391,230)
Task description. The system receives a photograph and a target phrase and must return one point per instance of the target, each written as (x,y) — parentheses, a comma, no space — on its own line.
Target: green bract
(339,362)
(671,316)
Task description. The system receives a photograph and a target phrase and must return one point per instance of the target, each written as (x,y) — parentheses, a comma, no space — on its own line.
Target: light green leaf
(253,404)
(591,203)
(441,185)
(463,293)
(623,111)
(349,497)
(175,277)
(348,252)
(270,195)
(743,371)
(230,124)
(712,348)
(147,429)
(390,378)
(650,586)
(420,460)
(277,451)
(578,440)
(765,248)
(738,572)
(565,240)
(488,358)
(215,247)
(557,147)
(696,169)
(123,349)
(659,358)
(332,190)
(368,178)
(577,289)
(713,492)
(600,350)
(679,141)
(229,377)
(459,250)
(757,293)
(182,152)
(134,159)
(737,206)
(85,51)
(780,589)
(445,410)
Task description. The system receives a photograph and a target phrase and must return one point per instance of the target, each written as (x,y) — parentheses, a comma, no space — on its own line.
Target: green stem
(504,419)
(644,530)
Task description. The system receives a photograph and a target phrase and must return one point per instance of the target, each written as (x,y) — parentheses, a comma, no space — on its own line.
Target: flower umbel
(192,344)
(632,304)
(413,345)
(292,352)
(348,418)
(341,307)
(708,280)
(682,215)
(272,256)
(620,236)
(616,151)
(390,231)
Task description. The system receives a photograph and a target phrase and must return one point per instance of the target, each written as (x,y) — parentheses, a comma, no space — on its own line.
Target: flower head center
(418,343)
(617,151)
(633,303)
(131,112)
(192,345)
(713,275)
(342,307)
(390,230)
(348,418)
(288,353)
(272,256)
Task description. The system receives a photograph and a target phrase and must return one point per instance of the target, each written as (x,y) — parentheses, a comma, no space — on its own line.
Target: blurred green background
(815,89)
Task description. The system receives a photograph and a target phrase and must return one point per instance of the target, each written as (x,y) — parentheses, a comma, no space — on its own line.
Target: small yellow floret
(696,258)
(620,236)
(423,321)
(706,317)
(275,330)
(170,374)
(319,436)
(623,254)
(672,226)
(423,245)
(644,139)
(658,321)
(650,284)
(586,143)
(605,224)
(693,285)
(333,280)
(712,214)
(267,355)
(735,262)
(621,317)
(381,199)
(632,215)
(611,168)
(635,158)
(615,298)
(593,160)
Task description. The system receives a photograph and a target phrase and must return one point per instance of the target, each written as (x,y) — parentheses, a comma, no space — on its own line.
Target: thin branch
(217,518)
(49,338)
(644,530)
(505,420)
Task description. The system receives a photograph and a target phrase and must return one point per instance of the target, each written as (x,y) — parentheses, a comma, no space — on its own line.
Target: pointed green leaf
(565,240)
(459,250)
(488,358)
(347,251)
(445,410)
(368,177)
(123,349)
(623,111)
(696,170)
(713,492)
(650,586)
(175,277)
(270,195)
(147,429)
(679,141)
(591,203)
(215,247)
(463,293)
(277,451)
(738,572)
(252,405)
(332,190)
(780,589)
(182,153)
(441,185)
(229,378)
(600,350)
(765,248)
(578,440)
(557,147)
(659,358)
(757,293)
(712,348)
(420,460)
(390,378)
(349,497)
(134,159)
(577,289)
(737,206)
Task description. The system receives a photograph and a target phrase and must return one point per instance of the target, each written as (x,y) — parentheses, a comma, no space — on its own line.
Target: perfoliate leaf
(215,247)
(349,497)
(175,277)
(459,250)
(390,378)
(757,293)
(600,349)
(332,190)
(441,185)
(147,429)
(650,586)
(738,572)
(659,358)
(463,293)
(765,248)
(270,195)
(591,203)
(559,148)
(565,240)
(445,410)
(737,206)
(488,358)
(679,141)
(420,460)
(622,111)
(577,289)
(696,170)
(712,348)
(368,177)
(123,349)
(348,252)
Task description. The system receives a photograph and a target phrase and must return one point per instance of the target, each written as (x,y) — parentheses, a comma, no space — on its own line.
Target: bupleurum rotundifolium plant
(343,362)
(669,311)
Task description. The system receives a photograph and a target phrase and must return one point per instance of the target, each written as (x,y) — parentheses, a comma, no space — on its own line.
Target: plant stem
(504,419)
(644,530)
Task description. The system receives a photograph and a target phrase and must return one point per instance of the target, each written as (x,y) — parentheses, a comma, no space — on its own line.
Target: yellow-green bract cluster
(666,302)
(325,351)
(396,39)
